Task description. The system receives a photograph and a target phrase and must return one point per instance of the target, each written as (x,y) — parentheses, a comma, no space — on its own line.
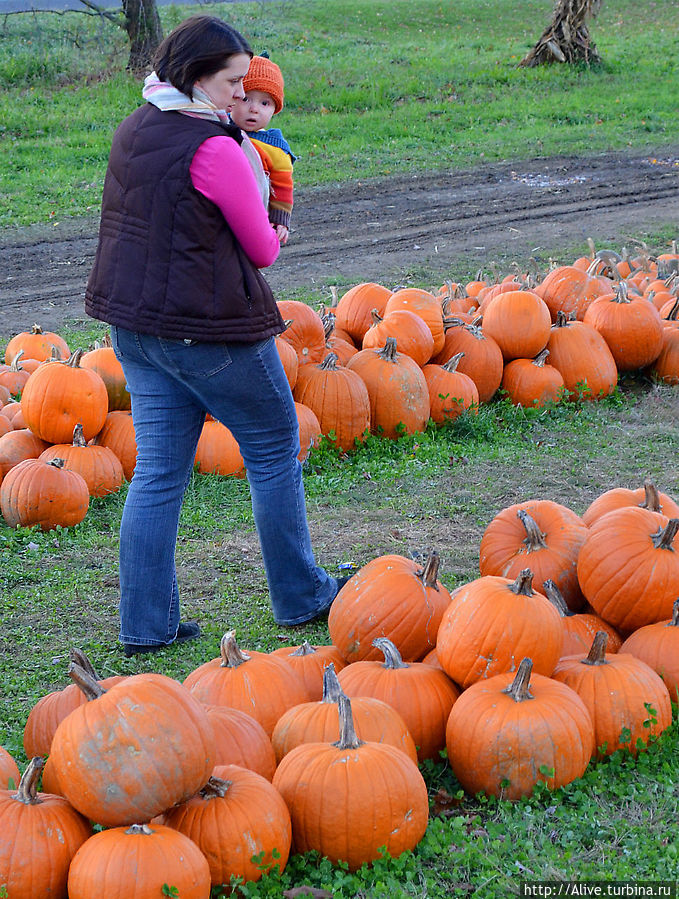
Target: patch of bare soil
(396,230)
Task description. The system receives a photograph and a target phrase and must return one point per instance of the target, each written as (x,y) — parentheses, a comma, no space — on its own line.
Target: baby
(263,86)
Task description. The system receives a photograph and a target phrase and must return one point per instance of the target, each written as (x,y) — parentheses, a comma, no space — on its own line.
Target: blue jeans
(172,384)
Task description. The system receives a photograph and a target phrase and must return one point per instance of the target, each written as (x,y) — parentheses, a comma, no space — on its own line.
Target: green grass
(372,89)
(440,488)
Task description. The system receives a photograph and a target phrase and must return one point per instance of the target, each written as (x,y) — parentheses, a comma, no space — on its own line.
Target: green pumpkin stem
(84,679)
(348,738)
(597,652)
(332,689)
(27,791)
(232,655)
(519,689)
(665,536)
(535,538)
(392,657)
(523,585)
(430,572)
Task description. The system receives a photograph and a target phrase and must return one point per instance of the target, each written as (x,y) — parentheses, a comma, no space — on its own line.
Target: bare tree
(566,38)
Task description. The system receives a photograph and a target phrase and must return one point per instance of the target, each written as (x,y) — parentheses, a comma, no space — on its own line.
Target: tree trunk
(566,39)
(144,30)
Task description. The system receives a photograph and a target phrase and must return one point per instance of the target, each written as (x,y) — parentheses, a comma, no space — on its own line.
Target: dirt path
(412,229)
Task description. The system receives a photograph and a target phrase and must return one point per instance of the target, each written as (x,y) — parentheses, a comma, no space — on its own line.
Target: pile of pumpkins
(563,650)
(379,360)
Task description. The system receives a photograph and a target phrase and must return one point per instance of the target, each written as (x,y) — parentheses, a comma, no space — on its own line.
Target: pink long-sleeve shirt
(222,173)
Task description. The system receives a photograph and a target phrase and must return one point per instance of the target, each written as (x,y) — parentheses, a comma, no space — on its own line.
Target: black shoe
(187,630)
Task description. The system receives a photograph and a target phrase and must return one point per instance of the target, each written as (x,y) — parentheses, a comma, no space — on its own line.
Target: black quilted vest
(167,263)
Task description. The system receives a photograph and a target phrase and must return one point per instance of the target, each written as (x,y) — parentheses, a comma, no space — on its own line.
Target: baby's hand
(282,234)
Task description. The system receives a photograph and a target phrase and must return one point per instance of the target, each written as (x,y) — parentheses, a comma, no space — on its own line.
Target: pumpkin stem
(136,829)
(15,364)
(621,293)
(232,655)
(554,595)
(519,689)
(673,314)
(74,359)
(453,362)
(388,351)
(87,683)
(332,689)
(541,358)
(27,791)
(376,317)
(56,463)
(78,436)
(215,788)
(663,539)
(597,652)
(36,329)
(523,585)
(392,657)
(561,320)
(329,363)
(651,497)
(675,614)
(78,657)
(429,573)
(306,649)
(348,738)
(535,538)
(328,319)
(452,322)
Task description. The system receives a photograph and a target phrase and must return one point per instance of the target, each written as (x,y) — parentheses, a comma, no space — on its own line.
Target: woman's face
(225,87)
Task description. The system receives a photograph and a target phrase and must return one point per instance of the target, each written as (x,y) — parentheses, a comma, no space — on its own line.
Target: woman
(183,233)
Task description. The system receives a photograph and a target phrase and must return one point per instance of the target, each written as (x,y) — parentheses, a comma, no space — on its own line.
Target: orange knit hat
(264,75)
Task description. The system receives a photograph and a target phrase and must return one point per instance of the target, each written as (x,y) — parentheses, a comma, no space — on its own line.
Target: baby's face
(254,111)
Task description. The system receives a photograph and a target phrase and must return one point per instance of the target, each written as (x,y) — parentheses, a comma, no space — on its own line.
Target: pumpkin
(305,333)
(118,435)
(339,399)
(658,646)
(41,834)
(411,333)
(138,861)
(450,391)
(43,493)
(627,700)
(482,359)
(421,694)
(399,398)
(217,451)
(309,430)
(9,771)
(14,376)
(391,596)
(36,344)
(149,717)
(630,326)
(59,395)
(241,740)
(257,683)
(532,383)
(579,628)
(17,446)
(491,623)
(541,535)
(102,359)
(512,731)
(309,662)
(99,466)
(289,360)
(423,304)
(646,497)
(519,322)
(666,366)
(349,800)
(5,428)
(50,710)
(582,356)
(570,290)
(353,313)
(317,722)
(628,567)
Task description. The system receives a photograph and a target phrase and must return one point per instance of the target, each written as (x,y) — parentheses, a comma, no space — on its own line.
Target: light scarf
(169,99)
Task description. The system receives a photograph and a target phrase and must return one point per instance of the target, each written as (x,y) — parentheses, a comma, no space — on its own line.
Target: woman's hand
(282,234)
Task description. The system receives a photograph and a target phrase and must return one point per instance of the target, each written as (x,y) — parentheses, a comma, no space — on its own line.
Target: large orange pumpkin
(410,331)
(582,356)
(512,731)
(519,322)
(305,332)
(18,445)
(424,304)
(658,645)
(217,451)
(482,359)
(43,493)
(241,740)
(118,435)
(102,359)
(99,466)
(532,383)
(645,497)
(353,313)
(36,344)
(148,717)
(350,800)
(580,628)
(310,662)
(630,325)
(451,392)
(569,289)
(9,771)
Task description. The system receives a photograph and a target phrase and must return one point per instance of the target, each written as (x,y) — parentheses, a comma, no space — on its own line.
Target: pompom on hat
(264,75)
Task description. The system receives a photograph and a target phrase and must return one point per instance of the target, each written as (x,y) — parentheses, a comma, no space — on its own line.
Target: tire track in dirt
(385,229)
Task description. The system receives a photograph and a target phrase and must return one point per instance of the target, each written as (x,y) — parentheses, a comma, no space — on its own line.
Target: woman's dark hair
(197,48)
